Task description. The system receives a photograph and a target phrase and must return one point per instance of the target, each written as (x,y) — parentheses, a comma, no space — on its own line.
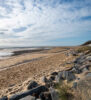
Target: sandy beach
(17,71)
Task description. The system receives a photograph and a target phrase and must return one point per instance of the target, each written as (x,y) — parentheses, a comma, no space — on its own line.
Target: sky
(44,22)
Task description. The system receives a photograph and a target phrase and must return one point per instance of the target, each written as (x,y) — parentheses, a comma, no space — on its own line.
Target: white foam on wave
(5,53)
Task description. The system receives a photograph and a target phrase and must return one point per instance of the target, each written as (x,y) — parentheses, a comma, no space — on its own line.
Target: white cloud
(45,21)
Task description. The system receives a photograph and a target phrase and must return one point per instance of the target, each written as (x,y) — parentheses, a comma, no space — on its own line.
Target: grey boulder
(52,78)
(75,70)
(84,69)
(44,79)
(35,91)
(45,96)
(88,74)
(59,77)
(65,75)
(69,76)
(32,85)
(54,73)
(28,98)
(88,58)
(54,94)
(4,98)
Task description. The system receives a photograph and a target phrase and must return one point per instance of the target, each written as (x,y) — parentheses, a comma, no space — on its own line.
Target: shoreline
(7,53)
(20,52)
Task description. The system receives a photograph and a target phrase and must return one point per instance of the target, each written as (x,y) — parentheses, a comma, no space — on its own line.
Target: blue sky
(44,22)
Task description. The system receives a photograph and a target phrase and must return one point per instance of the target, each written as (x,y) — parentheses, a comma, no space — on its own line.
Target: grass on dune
(84,49)
(63,91)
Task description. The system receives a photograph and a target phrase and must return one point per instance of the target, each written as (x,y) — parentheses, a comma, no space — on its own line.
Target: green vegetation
(87,43)
(64,91)
(84,49)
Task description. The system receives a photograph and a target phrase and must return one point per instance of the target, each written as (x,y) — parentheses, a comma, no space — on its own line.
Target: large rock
(75,70)
(28,98)
(74,53)
(66,75)
(88,74)
(4,98)
(41,96)
(80,59)
(45,96)
(54,94)
(59,77)
(83,59)
(52,78)
(69,76)
(76,60)
(35,91)
(44,79)
(54,73)
(84,68)
(32,85)
(88,58)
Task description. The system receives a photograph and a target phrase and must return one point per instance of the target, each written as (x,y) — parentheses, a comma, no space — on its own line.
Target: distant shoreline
(15,53)
(9,52)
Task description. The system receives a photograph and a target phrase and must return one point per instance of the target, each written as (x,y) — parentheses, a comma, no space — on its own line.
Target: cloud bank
(43,22)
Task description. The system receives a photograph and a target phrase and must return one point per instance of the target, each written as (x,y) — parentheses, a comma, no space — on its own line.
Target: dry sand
(16,72)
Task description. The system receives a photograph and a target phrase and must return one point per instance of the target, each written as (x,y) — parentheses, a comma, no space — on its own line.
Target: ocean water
(3,54)
(7,52)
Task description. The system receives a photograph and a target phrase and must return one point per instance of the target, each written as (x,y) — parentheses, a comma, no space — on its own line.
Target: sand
(17,71)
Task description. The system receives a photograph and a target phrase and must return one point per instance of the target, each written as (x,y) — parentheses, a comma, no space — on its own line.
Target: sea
(7,52)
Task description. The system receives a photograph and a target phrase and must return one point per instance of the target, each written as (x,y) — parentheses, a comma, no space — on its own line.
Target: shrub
(64,91)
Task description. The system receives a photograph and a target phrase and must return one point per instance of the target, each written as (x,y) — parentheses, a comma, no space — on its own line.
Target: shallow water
(4,54)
